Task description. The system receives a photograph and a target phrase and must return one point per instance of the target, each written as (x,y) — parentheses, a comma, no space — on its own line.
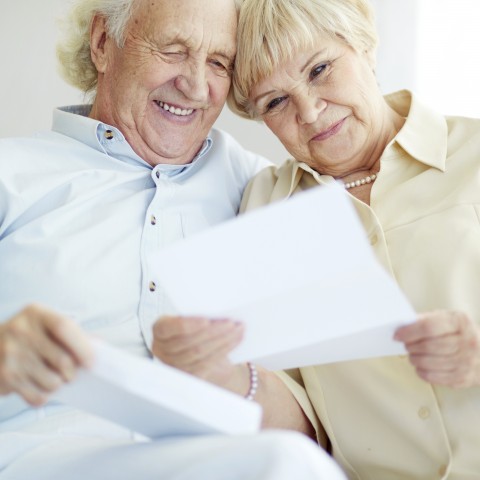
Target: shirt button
(373,239)
(108,134)
(157,173)
(152,287)
(424,413)
(153,220)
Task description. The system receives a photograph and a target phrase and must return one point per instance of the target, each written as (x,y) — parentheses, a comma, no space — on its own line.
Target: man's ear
(98,41)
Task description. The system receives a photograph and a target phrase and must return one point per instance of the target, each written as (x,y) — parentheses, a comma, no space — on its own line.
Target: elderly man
(83,208)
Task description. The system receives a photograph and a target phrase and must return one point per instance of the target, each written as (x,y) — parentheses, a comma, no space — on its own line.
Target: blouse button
(424,413)
(442,470)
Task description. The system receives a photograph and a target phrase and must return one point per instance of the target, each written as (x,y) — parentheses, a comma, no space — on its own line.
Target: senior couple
(84,207)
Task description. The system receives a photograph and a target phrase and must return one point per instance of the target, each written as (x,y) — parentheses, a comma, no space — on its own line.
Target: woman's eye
(272,104)
(316,71)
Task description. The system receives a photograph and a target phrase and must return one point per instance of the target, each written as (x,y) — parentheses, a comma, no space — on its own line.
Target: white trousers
(88,449)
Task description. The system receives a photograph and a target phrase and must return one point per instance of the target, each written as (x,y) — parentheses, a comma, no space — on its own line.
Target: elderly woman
(307,69)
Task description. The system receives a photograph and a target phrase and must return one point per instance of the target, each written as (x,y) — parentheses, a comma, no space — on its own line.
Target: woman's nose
(309,107)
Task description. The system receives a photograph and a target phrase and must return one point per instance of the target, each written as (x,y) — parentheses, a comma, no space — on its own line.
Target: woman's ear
(98,40)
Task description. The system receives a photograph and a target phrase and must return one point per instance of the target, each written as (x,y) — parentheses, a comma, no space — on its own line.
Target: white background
(430,46)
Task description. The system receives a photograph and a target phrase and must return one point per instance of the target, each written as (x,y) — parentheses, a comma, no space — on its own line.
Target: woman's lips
(333,130)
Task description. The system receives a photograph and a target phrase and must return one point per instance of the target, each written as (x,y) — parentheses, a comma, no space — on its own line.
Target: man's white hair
(73,50)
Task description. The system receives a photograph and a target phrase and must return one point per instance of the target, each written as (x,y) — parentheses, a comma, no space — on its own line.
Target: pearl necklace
(361,181)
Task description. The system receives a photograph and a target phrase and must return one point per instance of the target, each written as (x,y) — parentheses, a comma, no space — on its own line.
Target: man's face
(165,88)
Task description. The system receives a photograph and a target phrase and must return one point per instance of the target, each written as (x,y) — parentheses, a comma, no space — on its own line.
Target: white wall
(29,84)
(414,53)
(448,55)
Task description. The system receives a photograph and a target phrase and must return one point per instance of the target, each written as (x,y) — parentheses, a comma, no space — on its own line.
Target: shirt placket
(161,223)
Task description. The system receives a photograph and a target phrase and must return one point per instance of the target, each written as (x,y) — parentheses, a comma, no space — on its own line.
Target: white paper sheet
(299,273)
(155,400)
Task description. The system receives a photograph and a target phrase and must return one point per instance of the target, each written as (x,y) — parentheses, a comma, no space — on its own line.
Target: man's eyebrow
(230,57)
(178,40)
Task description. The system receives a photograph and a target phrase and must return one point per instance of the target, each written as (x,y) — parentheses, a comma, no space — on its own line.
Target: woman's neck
(360,182)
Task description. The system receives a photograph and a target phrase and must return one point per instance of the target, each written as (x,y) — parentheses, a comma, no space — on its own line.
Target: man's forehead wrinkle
(166,27)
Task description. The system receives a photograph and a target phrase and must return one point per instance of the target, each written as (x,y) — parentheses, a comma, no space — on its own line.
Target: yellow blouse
(382,421)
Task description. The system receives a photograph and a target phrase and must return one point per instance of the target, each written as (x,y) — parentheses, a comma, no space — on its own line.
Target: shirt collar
(73,121)
(424,134)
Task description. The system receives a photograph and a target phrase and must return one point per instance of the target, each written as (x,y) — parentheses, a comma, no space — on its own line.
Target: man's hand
(444,347)
(197,345)
(39,351)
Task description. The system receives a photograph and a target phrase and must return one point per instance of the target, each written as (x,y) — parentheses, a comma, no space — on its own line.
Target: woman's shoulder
(270,184)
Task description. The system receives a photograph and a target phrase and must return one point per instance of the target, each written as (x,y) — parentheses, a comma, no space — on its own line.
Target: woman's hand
(39,351)
(444,347)
(197,345)
(200,346)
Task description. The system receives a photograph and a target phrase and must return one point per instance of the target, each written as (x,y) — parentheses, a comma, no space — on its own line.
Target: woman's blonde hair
(73,51)
(270,32)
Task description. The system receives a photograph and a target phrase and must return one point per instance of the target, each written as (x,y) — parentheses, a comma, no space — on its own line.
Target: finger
(70,337)
(434,363)
(30,378)
(428,325)
(45,380)
(222,346)
(440,346)
(206,338)
(170,327)
(185,352)
(215,367)
(32,394)
(59,361)
(448,379)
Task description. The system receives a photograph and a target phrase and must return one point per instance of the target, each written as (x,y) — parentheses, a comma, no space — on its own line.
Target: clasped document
(156,400)
(302,276)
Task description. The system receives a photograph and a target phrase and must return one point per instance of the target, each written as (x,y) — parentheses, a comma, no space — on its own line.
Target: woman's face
(326,108)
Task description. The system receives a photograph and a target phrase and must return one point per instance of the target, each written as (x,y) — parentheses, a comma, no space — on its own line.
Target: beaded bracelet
(253,381)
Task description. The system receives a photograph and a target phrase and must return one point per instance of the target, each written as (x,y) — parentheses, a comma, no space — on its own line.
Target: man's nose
(193,83)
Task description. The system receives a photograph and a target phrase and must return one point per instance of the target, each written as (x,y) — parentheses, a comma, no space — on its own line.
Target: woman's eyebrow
(310,60)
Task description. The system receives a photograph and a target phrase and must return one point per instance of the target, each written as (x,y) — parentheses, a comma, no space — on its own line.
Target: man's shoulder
(228,150)
(225,142)
(21,150)
(35,142)
(43,148)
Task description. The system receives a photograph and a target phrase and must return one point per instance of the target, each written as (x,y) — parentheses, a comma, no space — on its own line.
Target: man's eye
(274,103)
(222,67)
(171,57)
(316,71)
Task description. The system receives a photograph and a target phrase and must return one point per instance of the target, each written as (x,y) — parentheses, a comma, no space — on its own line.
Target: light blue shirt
(81,215)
